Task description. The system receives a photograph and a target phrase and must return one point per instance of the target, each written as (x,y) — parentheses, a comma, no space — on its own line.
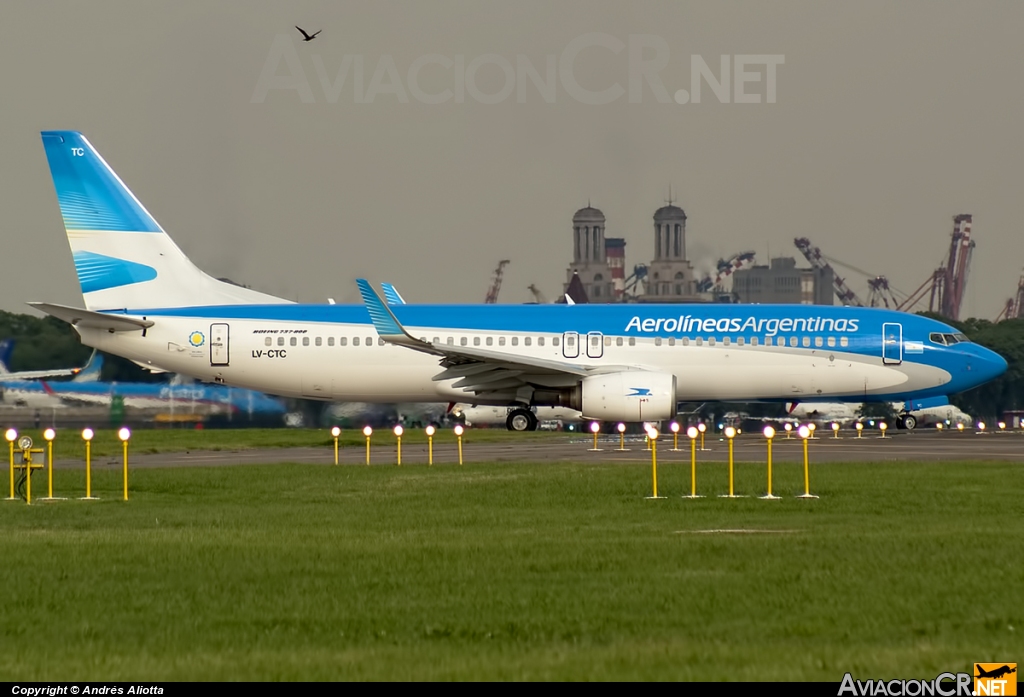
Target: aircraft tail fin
(6,349)
(123,258)
(90,372)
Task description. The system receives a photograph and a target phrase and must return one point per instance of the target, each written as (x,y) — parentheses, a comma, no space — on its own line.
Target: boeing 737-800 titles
(146,301)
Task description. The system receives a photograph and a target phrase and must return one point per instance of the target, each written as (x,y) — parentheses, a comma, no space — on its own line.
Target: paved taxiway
(918,446)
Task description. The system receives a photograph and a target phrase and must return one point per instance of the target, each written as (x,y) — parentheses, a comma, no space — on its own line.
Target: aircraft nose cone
(990,364)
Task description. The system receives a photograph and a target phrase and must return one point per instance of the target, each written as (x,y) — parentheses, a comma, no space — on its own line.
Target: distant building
(783,282)
(590,256)
(670,277)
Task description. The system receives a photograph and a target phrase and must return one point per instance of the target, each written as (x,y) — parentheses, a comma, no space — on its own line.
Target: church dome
(669,212)
(588,215)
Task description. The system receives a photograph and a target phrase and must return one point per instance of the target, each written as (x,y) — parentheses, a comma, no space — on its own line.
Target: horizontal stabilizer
(78,317)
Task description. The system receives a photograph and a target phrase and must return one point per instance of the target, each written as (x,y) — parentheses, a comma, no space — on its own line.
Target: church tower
(670,277)
(589,258)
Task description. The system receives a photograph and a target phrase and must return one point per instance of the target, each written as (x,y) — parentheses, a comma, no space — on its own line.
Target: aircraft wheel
(521,420)
(909,422)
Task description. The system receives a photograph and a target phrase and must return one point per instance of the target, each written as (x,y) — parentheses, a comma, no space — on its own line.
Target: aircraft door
(571,344)
(595,345)
(219,348)
(892,343)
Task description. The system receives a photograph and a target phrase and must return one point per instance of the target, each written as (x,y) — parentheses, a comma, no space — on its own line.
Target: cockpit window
(936,338)
(961,337)
(950,339)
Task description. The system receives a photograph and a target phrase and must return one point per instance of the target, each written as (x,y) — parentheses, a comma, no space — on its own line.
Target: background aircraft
(7,349)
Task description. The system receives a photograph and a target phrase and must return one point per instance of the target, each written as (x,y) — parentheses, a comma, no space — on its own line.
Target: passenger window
(268,341)
(280,341)
(711,341)
(806,341)
(330,341)
(570,341)
(490,341)
(792,341)
(463,341)
(831,342)
(741,341)
(355,341)
(501,341)
(753,341)
(540,341)
(305,341)
(476,341)
(380,342)
(632,341)
(657,341)
(451,341)
(515,341)
(369,341)
(618,341)
(527,341)
(700,341)
(844,342)
(818,341)
(671,341)
(293,341)
(607,341)
(726,341)
(686,341)
(554,341)
(343,341)
(319,341)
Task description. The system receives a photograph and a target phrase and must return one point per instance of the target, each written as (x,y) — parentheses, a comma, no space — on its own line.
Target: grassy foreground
(514,572)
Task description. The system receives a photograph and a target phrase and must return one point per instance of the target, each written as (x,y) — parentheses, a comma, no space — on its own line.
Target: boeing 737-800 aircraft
(147,302)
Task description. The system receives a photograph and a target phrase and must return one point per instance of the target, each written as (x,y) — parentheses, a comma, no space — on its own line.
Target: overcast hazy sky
(889,118)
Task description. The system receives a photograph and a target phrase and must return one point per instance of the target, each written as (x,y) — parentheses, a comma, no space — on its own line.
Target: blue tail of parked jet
(90,372)
(6,349)
(122,256)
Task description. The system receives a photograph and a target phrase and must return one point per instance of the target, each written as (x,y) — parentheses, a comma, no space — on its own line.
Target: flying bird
(308,37)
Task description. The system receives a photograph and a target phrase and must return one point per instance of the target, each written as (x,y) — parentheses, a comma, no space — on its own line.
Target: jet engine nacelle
(635,395)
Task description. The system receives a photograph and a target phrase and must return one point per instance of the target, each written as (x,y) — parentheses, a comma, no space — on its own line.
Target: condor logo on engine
(639,392)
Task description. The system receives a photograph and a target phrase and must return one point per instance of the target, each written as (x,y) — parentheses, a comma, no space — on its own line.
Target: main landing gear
(521,420)
(907,421)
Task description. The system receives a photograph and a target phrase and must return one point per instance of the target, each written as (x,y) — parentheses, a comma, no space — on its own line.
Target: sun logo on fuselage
(196,338)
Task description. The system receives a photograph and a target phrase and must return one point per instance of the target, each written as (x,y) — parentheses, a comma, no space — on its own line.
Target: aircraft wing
(77,317)
(479,370)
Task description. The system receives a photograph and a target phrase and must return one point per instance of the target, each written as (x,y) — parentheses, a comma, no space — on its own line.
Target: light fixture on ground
(701,428)
(11,435)
(621,428)
(125,435)
(769,434)
(789,430)
(48,435)
(692,433)
(674,427)
(430,444)
(652,438)
(335,434)
(730,434)
(87,435)
(595,428)
(398,438)
(805,434)
(835,429)
(981,427)
(812,428)
(882,426)
(860,428)
(459,430)
(367,431)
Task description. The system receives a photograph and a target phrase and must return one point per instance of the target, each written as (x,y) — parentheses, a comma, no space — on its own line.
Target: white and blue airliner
(146,301)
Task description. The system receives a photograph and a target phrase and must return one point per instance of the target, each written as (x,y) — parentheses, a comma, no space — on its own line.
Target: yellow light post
(730,433)
(938,427)
(595,428)
(883,427)
(860,429)
(652,438)
(622,435)
(675,435)
(430,444)
(367,431)
(335,434)
(11,435)
(458,434)
(87,436)
(398,436)
(769,434)
(789,430)
(811,427)
(960,427)
(124,434)
(691,433)
(48,435)
(805,433)
(700,429)
(835,430)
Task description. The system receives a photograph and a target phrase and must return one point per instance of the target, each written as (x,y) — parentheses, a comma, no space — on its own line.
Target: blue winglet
(391,294)
(383,321)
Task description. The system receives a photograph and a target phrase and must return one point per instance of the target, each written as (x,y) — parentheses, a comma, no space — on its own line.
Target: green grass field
(554,571)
